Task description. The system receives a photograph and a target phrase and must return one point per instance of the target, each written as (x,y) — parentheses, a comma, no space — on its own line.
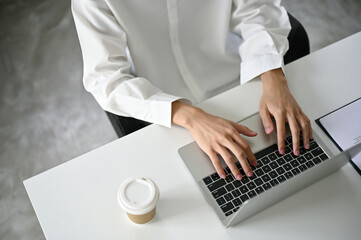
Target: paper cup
(138,197)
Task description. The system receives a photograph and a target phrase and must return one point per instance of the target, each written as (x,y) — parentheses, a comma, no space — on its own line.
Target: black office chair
(299,46)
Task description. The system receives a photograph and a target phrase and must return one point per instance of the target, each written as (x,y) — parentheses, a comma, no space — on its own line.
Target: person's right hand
(215,135)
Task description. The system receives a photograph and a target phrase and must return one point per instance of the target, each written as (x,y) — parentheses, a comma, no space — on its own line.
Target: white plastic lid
(138,195)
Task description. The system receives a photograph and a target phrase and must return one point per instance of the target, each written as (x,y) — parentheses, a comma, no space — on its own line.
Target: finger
(295,135)
(281,133)
(309,128)
(217,164)
(266,119)
(246,149)
(242,158)
(227,157)
(305,124)
(244,130)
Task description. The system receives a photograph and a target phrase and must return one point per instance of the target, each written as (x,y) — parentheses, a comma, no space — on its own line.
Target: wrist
(273,78)
(183,114)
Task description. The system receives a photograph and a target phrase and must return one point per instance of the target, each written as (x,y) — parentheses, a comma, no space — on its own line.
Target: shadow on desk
(170,206)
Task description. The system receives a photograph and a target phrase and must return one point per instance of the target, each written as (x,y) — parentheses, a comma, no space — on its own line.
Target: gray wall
(46,116)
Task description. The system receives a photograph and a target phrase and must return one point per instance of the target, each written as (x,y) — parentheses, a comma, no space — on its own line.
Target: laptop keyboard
(272,169)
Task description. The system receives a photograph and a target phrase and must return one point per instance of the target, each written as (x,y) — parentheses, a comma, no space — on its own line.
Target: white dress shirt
(181,49)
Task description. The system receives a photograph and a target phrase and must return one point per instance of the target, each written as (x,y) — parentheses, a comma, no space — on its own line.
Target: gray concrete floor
(46,116)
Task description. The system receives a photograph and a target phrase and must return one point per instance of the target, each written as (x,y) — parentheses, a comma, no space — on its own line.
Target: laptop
(275,177)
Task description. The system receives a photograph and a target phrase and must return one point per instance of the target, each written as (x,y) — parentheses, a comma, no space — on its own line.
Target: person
(193,50)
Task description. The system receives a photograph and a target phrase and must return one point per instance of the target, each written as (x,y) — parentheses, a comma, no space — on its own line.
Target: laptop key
(281,161)
(287,167)
(288,157)
(302,150)
(281,178)
(317,160)
(313,145)
(228,213)
(244,197)
(266,168)
(228,197)
(228,170)
(317,152)
(280,170)
(274,182)
(288,175)
(265,160)
(289,139)
(294,163)
(229,178)
(229,187)
(303,167)
(243,189)
(219,192)
(259,190)
(251,185)
(236,209)
(295,171)
(254,176)
(237,184)
(273,165)
(207,180)
(308,156)
(301,159)
(217,184)
(266,178)
(310,164)
(258,181)
(272,156)
(278,154)
(259,172)
(245,180)
(273,174)
(323,157)
(226,207)
(221,201)
(215,176)
(252,194)
(266,186)
(236,193)
(236,202)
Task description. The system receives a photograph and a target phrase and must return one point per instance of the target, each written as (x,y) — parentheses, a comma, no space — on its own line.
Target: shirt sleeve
(264,25)
(106,69)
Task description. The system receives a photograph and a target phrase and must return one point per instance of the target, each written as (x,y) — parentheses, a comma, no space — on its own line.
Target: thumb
(266,119)
(244,130)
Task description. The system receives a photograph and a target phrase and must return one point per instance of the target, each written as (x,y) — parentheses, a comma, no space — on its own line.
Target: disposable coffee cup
(138,196)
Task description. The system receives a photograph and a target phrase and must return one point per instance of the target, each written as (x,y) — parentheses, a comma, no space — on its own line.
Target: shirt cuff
(161,104)
(255,67)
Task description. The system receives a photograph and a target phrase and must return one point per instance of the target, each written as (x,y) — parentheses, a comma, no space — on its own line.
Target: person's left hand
(277,101)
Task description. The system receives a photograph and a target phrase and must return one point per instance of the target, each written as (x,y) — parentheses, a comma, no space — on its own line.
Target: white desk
(77,200)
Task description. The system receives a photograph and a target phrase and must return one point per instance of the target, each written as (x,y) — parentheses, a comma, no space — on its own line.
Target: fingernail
(250,173)
(297,152)
(282,151)
(223,175)
(239,177)
(268,130)
(253,132)
(307,146)
(254,164)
